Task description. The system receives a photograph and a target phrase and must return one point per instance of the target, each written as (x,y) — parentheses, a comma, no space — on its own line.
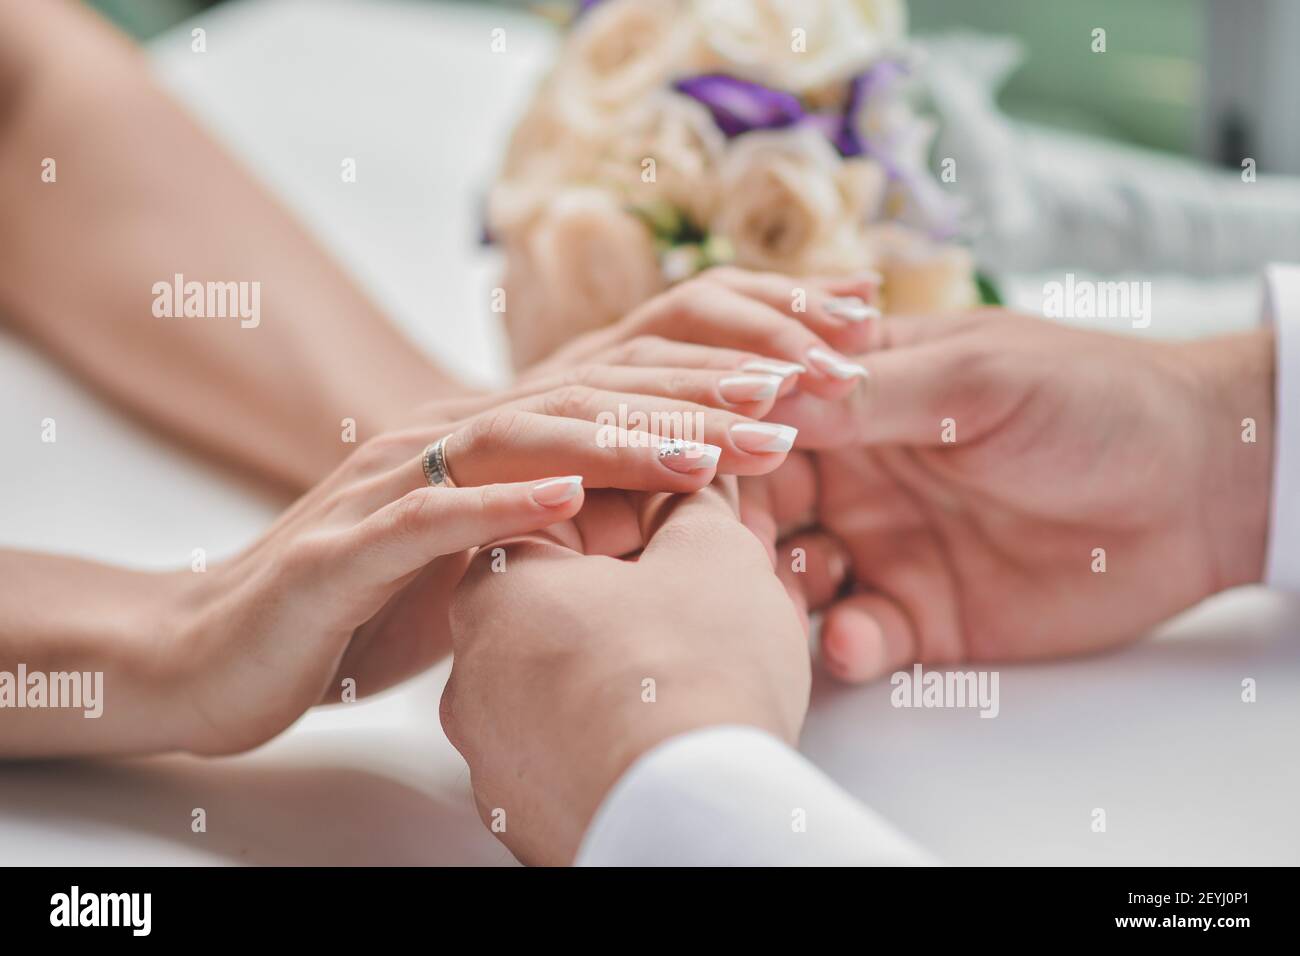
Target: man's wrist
(633,733)
(1237,379)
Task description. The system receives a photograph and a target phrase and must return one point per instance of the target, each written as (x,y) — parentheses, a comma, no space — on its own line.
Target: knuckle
(567,401)
(970,373)
(680,383)
(577,376)
(721,274)
(493,431)
(491,499)
(413,512)
(685,298)
(447,711)
(309,555)
(339,499)
(642,350)
(382,451)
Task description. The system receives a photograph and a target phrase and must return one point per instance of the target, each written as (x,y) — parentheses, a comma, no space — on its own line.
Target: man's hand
(569,667)
(1008,488)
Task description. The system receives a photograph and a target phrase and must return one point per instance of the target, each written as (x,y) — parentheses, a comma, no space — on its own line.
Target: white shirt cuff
(735,796)
(1282,308)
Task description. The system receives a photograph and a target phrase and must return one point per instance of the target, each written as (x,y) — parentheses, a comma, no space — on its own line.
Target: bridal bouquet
(672,135)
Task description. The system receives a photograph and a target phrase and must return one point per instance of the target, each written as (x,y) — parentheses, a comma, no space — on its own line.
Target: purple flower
(739,106)
(867,85)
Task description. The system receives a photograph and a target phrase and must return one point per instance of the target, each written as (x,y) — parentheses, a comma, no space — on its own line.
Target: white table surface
(1156,735)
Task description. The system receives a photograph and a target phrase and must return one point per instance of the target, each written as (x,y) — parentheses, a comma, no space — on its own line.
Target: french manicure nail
(763,437)
(687,456)
(773,367)
(851,309)
(554,492)
(836,366)
(749,388)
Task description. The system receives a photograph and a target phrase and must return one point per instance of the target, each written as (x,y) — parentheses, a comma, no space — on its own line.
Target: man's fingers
(756,508)
(866,636)
(792,491)
(704,525)
(930,395)
(818,561)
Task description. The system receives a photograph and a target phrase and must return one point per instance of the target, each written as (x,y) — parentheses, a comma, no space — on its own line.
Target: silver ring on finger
(434,461)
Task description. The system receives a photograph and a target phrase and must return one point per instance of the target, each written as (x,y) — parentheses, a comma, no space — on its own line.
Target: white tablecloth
(1156,735)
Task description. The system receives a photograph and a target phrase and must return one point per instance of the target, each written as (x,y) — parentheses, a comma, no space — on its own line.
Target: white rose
(547,145)
(617,54)
(667,150)
(799,45)
(547,155)
(788,202)
(583,263)
(544,153)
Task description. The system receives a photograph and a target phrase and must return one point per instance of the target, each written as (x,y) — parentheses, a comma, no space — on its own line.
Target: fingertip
(787,372)
(558,494)
(697,461)
(853,645)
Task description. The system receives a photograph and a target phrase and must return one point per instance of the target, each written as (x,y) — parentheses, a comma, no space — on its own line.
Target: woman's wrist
(102,638)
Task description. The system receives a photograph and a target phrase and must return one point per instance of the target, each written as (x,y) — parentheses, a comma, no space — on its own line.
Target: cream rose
(799,45)
(547,145)
(667,150)
(617,54)
(788,202)
(583,263)
(920,275)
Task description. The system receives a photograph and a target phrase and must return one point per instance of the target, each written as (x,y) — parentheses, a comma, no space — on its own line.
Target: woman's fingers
(748,447)
(709,313)
(866,636)
(405,535)
(841,312)
(515,445)
(747,393)
(649,365)
(656,351)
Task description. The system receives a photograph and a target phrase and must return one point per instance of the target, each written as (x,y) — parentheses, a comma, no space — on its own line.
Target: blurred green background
(146,18)
(1150,90)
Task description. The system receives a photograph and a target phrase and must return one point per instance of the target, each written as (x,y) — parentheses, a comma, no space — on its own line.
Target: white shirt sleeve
(735,796)
(1282,308)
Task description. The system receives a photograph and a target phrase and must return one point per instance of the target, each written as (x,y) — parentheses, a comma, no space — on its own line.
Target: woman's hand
(353,581)
(738,321)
